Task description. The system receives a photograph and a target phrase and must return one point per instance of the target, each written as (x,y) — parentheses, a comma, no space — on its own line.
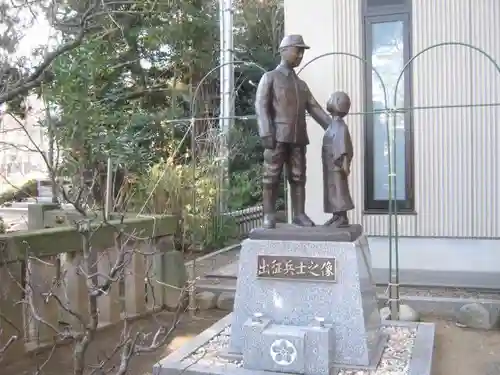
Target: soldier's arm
(262,103)
(315,110)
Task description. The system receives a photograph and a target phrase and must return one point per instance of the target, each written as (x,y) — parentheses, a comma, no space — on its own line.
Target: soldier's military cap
(293,40)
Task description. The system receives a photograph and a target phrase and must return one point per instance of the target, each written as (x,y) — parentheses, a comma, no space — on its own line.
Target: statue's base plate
(207,353)
(292,232)
(375,360)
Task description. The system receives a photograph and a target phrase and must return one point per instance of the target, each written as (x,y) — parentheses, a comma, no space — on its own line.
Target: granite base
(374,360)
(348,303)
(183,361)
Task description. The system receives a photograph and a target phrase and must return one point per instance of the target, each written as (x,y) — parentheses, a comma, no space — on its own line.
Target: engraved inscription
(298,268)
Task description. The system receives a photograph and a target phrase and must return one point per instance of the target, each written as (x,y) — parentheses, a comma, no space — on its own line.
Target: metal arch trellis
(193,108)
(392,172)
(191,120)
(391,112)
(209,73)
(393,279)
(222,137)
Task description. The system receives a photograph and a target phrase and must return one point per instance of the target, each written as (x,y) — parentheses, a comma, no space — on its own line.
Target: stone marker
(305,298)
(305,304)
(406,313)
(206,300)
(293,284)
(477,316)
(225,301)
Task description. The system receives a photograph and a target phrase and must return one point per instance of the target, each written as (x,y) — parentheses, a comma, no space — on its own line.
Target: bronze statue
(281,104)
(337,154)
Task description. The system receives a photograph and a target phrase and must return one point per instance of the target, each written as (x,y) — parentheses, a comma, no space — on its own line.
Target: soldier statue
(281,104)
(337,154)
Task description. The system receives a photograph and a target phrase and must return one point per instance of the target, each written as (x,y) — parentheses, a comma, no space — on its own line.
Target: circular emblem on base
(283,352)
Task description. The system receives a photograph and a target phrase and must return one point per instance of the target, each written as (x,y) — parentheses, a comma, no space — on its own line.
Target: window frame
(372,16)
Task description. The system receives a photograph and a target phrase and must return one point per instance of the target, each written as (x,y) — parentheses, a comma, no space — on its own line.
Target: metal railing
(247,219)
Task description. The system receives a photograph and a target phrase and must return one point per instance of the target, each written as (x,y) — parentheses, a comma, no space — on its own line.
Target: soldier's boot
(338,220)
(344,220)
(298,193)
(269,195)
(332,222)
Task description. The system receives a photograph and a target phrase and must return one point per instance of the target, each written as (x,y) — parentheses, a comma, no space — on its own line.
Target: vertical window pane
(388,59)
(378,3)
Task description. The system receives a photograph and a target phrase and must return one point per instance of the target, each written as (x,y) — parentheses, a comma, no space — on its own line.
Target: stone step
(223,284)
(449,270)
(219,293)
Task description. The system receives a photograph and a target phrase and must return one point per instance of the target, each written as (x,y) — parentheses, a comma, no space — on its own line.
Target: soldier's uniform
(281,104)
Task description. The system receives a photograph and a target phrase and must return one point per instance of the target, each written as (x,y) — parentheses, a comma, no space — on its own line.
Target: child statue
(337,154)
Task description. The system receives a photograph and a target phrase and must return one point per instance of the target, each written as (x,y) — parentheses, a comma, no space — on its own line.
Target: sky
(34,37)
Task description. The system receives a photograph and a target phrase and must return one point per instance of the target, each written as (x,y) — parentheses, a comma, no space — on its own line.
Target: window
(387,49)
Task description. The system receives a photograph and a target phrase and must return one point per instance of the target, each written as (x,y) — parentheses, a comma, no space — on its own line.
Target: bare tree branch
(35,78)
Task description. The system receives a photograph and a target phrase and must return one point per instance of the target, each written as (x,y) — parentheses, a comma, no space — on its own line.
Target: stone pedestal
(305,304)
(293,279)
(290,349)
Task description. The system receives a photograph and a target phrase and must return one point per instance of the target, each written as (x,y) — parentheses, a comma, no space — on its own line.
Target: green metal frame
(391,111)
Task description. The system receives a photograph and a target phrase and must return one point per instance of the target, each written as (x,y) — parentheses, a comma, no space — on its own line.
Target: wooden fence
(38,268)
(246,219)
(45,264)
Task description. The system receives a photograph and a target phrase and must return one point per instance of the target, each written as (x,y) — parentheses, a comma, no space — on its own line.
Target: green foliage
(259,28)
(27,190)
(246,189)
(191,195)
(3,227)
(92,118)
(113,93)
(245,166)
(118,94)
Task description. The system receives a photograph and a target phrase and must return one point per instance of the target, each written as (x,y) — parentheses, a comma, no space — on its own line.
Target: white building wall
(456,153)
(21,141)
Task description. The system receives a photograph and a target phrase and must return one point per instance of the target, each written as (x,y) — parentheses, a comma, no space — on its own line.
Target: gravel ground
(457,351)
(396,356)
(394,360)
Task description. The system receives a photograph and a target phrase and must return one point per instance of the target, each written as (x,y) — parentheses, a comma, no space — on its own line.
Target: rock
(16,227)
(225,301)
(475,315)
(492,368)
(406,314)
(206,300)
(385,313)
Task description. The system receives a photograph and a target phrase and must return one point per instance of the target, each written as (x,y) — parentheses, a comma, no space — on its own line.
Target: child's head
(338,104)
